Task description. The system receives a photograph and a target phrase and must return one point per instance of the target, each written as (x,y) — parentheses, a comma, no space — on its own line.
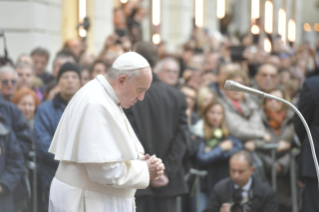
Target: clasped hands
(156,169)
(155,166)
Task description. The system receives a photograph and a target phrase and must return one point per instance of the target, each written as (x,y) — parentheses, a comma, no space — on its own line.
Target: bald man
(242,190)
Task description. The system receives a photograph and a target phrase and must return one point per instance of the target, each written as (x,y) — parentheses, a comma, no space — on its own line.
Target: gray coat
(283,158)
(286,134)
(246,126)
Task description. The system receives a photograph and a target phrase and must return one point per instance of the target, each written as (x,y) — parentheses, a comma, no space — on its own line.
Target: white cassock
(100,167)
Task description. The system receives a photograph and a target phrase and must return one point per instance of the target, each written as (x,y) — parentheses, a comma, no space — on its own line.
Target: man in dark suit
(309,108)
(242,191)
(160,123)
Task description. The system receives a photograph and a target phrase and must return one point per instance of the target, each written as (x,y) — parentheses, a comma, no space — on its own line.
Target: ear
(252,169)
(121,81)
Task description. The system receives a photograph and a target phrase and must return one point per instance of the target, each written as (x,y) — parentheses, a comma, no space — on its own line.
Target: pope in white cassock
(102,162)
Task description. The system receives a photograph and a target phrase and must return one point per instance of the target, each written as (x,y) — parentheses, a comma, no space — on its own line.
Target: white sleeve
(126,174)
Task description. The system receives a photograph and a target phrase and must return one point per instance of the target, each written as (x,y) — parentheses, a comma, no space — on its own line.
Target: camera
(240,204)
(238,207)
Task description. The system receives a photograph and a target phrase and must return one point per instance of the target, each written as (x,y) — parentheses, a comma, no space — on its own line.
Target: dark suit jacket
(160,123)
(309,107)
(263,200)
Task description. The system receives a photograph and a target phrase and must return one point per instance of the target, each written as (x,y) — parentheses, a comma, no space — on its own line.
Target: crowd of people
(187,117)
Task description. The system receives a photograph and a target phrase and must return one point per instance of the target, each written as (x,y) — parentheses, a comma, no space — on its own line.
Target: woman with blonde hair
(216,147)
(27,101)
(205,95)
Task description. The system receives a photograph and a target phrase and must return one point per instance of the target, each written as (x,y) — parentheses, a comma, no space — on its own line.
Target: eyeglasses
(6,82)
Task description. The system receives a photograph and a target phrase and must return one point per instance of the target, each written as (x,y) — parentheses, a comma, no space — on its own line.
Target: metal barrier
(272,147)
(32,165)
(269,146)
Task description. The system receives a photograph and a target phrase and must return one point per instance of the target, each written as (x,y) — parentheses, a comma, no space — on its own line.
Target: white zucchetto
(130,61)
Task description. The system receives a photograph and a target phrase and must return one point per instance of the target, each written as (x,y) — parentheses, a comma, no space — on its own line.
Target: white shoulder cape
(94,129)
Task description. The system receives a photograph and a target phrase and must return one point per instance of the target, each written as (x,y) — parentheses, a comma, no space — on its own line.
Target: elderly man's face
(240,170)
(169,73)
(130,91)
(8,84)
(267,77)
(26,77)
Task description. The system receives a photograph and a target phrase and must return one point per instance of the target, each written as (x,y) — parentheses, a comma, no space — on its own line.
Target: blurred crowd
(227,131)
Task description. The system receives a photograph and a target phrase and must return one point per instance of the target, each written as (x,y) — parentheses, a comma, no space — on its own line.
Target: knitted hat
(69,67)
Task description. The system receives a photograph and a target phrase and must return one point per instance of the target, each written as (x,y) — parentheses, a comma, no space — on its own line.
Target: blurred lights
(269,10)
(267,45)
(255,4)
(156,39)
(124,1)
(255,29)
(307,27)
(156,12)
(199,8)
(316,27)
(82,32)
(220,9)
(282,25)
(82,15)
(291,30)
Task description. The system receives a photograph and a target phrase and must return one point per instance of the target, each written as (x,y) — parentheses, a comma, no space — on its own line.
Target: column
(241,16)
(211,22)
(146,23)
(101,24)
(31,24)
(277,5)
(177,22)
(298,19)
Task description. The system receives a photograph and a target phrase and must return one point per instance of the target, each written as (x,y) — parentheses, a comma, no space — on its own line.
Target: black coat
(11,167)
(13,118)
(160,123)
(309,107)
(263,200)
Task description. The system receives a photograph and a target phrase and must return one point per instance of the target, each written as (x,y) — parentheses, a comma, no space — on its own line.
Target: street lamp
(156,12)
(282,24)
(82,15)
(199,8)
(291,30)
(255,5)
(220,9)
(269,11)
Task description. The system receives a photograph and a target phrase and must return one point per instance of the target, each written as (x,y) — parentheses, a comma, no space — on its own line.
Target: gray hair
(5,69)
(159,66)
(24,65)
(113,73)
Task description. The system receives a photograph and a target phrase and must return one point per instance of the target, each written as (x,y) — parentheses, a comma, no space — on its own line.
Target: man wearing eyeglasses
(266,79)
(8,82)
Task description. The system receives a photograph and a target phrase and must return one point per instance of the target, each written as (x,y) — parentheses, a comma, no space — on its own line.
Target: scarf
(275,119)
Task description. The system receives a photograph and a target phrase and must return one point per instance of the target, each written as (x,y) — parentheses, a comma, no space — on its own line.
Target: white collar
(247,186)
(109,89)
